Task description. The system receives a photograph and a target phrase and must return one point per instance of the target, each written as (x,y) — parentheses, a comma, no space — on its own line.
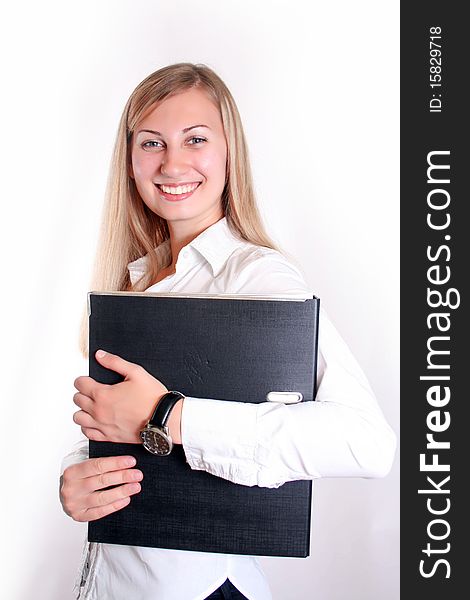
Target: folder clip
(284,397)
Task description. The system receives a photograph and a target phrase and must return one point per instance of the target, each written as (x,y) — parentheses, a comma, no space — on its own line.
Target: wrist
(164,428)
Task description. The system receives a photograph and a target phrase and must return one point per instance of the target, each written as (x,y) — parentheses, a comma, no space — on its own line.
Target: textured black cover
(230,349)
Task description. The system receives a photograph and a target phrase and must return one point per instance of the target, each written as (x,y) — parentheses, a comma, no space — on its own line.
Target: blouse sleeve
(343,433)
(78,453)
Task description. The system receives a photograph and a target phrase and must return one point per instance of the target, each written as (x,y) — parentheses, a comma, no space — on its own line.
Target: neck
(183,232)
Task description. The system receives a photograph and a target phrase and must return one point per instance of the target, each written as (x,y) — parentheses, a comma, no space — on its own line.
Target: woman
(181,217)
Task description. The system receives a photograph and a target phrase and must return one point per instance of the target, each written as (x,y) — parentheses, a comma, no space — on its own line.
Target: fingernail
(100,353)
(130,461)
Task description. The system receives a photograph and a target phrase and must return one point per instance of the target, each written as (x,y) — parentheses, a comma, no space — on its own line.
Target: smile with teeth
(180,189)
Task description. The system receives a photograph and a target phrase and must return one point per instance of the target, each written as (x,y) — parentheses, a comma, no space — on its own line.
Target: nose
(173,163)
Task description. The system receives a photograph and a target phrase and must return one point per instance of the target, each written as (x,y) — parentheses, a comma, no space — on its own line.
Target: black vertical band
(434,256)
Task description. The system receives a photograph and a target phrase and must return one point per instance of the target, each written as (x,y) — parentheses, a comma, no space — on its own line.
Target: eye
(151,145)
(196,140)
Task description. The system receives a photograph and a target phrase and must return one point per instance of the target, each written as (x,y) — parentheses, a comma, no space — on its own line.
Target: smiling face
(178,159)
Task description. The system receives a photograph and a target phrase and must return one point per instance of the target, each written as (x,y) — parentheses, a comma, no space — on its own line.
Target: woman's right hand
(81,487)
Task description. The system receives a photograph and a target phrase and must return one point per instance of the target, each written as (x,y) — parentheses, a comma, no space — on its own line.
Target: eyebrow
(185,130)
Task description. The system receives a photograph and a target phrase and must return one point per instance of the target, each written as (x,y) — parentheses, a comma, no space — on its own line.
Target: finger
(80,494)
(84,402)
(112,478)
(83,419)
(104,502)
(94,435)
(104,497)
(88,386)
(97,466)
(116,363)
(92,514)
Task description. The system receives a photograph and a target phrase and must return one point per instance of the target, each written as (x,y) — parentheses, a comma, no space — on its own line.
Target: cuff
(78,453)
(220,437)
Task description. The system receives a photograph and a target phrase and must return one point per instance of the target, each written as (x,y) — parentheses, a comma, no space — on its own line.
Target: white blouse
(342,434)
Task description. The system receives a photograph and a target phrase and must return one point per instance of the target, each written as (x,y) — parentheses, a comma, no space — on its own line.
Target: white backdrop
(317,88)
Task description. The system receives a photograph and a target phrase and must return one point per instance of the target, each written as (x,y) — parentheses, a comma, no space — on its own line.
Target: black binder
(221,347)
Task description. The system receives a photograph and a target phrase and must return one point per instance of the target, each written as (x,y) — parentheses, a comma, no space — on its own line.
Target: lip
(176,197)
(176,184)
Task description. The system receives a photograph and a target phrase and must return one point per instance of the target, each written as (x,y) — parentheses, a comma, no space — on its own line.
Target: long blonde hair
(129,228)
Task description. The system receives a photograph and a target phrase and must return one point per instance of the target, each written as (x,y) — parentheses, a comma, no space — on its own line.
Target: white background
(317,87)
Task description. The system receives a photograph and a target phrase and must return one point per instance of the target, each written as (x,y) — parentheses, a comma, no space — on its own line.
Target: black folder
(218,347)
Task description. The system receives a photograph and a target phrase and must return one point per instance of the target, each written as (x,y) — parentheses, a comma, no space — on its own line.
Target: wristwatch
(156,435)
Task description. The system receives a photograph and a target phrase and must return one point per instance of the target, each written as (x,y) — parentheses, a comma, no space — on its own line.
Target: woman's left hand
(116,413)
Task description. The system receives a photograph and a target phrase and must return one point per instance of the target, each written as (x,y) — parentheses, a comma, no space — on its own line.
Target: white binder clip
(284,397)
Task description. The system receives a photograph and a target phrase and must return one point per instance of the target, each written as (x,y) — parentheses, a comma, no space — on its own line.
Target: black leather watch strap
(164,408)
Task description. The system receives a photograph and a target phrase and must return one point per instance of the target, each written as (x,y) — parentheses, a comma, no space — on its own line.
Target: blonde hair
(129,228)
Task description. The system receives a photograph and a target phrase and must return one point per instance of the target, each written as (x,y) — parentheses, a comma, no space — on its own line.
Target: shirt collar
(215,244)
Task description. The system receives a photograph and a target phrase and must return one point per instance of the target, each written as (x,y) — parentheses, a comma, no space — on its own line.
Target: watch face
(156,441)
